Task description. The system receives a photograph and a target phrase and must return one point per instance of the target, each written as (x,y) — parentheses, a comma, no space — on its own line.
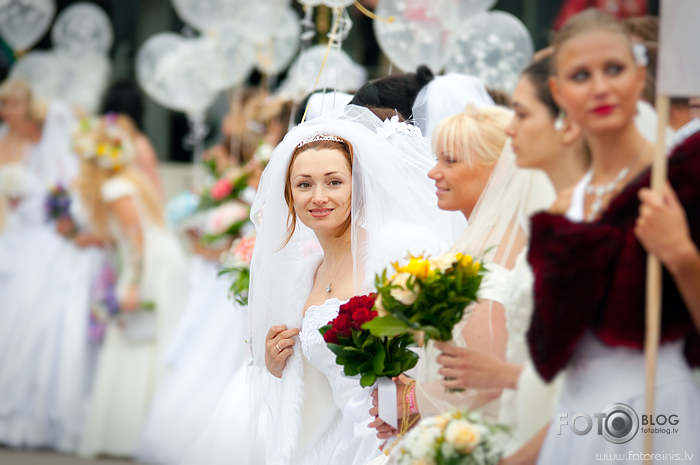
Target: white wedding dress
(206,351)
(45,283)
(335,414)
(599,375)
(127,372)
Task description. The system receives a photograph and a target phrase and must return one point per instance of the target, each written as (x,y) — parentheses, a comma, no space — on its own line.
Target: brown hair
(584,22)
(345,148)
(644,27)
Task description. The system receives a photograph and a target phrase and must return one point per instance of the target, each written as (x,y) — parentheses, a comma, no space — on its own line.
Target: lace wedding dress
(335,411)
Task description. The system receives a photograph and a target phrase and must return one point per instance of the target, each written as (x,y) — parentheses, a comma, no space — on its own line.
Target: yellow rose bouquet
(427,295)
(455,438)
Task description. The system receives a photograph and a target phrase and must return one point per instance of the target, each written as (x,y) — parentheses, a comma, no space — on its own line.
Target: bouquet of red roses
(360,352)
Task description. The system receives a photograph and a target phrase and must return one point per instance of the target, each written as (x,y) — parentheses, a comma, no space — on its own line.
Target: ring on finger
(278,347)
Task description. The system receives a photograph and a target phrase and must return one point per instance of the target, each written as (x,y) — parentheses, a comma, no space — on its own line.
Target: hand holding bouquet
(362,353)
(428,295)
(456,438)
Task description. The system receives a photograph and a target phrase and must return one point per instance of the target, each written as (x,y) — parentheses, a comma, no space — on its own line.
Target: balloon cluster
(186,74)
(77,69)
(460,36)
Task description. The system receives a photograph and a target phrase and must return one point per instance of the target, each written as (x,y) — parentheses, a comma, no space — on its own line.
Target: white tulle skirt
(207,349)
(226,437)
(602,375)
(45,355)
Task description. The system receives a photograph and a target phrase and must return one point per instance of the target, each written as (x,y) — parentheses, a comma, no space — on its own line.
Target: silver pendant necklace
(329,288)
(605,189)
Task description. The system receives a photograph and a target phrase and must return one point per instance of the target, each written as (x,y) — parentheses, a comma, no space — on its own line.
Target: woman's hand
(131,300)
(474,369)
(662,228)
(278,348)
(385,430)
(65,227)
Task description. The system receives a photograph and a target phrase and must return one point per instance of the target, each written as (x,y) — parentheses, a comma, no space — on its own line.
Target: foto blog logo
(618,423)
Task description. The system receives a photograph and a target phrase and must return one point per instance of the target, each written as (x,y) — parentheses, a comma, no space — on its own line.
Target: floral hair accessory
(641,56)
(103,141)
(320,137)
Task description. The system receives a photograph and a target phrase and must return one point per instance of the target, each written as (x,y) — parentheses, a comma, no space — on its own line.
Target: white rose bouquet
(455,438)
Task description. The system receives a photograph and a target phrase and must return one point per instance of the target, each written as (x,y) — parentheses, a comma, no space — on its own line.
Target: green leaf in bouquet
(378,359)
(147,306)
(324,329)
(349,369)
(337,349)
(368,379)
(388,326)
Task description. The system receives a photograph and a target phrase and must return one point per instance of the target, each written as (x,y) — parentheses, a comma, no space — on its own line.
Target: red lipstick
(604,110)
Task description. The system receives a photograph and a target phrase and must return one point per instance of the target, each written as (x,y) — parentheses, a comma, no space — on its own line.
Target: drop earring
(559,121)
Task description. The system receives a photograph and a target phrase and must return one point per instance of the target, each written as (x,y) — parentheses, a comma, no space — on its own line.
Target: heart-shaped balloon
(24,22)
(235,58)
(419,34)
(56,75)
(339,73)
(179,73)
(205,15)
(495,47)
(274,55)
(258,20)
(83,28)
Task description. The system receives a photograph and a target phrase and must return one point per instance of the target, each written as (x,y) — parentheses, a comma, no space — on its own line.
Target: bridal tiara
(320,137)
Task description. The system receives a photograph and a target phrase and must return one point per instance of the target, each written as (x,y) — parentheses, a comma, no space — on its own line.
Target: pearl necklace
(605,189)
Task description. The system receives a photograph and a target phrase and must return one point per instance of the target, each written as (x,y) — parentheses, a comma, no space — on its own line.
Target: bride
(338,202)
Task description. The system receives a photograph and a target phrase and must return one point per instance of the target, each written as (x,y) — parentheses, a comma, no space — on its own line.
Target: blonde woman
(44,282)
(476,174)
(151,287)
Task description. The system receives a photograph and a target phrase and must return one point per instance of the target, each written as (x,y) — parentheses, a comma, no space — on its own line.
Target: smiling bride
(343,196)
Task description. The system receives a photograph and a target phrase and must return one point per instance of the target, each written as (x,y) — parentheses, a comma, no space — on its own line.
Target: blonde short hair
(476,135)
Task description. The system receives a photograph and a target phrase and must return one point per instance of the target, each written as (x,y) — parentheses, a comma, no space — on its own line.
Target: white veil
(393,211)
(496,235)
(446,96)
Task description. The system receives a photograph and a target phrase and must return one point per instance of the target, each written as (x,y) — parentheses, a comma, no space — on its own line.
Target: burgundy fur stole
(592,276)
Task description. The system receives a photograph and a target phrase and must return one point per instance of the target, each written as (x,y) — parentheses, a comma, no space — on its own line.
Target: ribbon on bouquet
(386,403)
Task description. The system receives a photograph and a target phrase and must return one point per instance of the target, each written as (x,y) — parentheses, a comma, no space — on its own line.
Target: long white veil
(496,235)
(393,211)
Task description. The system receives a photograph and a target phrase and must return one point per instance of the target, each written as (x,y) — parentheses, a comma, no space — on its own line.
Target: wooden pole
(654,274)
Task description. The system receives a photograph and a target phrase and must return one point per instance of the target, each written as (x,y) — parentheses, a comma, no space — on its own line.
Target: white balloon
(179,73)
(83,28)
(40,69)
(494,46)
(466,9)
(235,58)
(276,54)
(257,20)
(339,72)
(56,75)
(204,15)
(418,35)
(24,22)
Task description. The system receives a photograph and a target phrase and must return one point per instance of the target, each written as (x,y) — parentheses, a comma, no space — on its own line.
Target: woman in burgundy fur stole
(590,266)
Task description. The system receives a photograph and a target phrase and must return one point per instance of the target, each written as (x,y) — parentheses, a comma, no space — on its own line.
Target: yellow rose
(403,294)
(466,261)
(462,435)
(418,267)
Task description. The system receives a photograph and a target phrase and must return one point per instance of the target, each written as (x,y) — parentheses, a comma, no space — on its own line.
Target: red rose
(360,317)
(342,325)
(330,336)
(360,301)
